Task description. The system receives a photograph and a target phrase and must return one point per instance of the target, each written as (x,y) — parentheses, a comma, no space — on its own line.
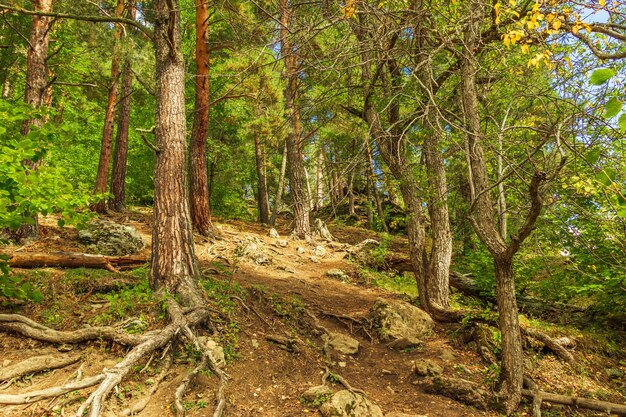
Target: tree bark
(278,201)
(173,258)
(295,143)
(74,260)
(482,219)
(319,178)
(36,87)
(198,168)
(102,177)
(261,182)
(118,175)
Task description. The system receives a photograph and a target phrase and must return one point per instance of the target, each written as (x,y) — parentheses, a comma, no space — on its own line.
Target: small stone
(614,373)
(300,250)
(342,364)
(348,404)
(65,347)
(6,362)
(254,343)
(317,394)
(342,343)
(337,274)
(286,269)
(426,367)
(399,414)
(447,354)
(319,251)
(282,243)
(314,259)
(274,234)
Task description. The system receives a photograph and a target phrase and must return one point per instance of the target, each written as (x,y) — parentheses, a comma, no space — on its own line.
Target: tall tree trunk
(351,195)
(36,86)
(280,188)
(261,182)
(368,206)
(118,174)
(441,252)
(372,179)
(198,170)
(319,178)
(295,144)
(102,177)
(173,259)
(482,219)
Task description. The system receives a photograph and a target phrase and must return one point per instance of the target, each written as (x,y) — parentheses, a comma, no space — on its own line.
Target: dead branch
(34,396)
(550,343)
(577,402)
(37,364)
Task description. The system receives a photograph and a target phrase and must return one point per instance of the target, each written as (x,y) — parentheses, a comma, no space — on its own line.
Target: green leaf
(622,123)
(600,76)
(606,176)
(593,155)
(613,107)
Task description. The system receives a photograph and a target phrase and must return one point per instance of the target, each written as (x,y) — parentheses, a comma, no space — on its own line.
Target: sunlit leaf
(601,76)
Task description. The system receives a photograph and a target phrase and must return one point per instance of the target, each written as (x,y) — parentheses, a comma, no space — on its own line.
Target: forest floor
(274,301)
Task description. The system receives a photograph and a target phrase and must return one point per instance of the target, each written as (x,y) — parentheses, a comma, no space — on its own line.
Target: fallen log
(75,260)
(597,405)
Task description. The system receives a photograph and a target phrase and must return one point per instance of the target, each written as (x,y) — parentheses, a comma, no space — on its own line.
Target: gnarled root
(143,402)
(34,396)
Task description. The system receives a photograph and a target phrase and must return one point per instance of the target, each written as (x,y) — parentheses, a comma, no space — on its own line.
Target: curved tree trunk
(36,86)
(173,258)
(198,168)
(295,144)
(118,175)
(102,177)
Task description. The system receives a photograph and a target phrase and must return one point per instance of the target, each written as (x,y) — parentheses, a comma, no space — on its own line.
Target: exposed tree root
(37,364)
(142,345)
(29,328)
(138,406)
(341,380)
(34,396)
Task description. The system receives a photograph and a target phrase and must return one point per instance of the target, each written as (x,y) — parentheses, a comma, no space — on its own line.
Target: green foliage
(601,76)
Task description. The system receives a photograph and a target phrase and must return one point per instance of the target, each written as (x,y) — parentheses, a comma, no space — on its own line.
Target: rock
(348,404)
(300,250)
(314,259)
(282,243)
(254,343)
(461,390)
(363,254)
(319,251)
(400,323)
(110,238)
(399,414)
(317,395)
(447,354)
(342,343)
(614,373)
(286,269)
(253,251)
(426,367)
(216,350)
(322,231)
(337,274)
(274,234)
(6,362)
(135,325)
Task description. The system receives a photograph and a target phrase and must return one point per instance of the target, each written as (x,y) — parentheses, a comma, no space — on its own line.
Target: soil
(263,302)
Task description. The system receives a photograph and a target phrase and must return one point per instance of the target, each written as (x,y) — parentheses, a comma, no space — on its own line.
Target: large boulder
(110,238)
(367,253)
(400,324)
(349,404)
(342,343)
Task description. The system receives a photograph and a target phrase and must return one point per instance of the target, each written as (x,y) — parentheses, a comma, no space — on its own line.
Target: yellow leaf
(525,48)
(557,24)
(602,3)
